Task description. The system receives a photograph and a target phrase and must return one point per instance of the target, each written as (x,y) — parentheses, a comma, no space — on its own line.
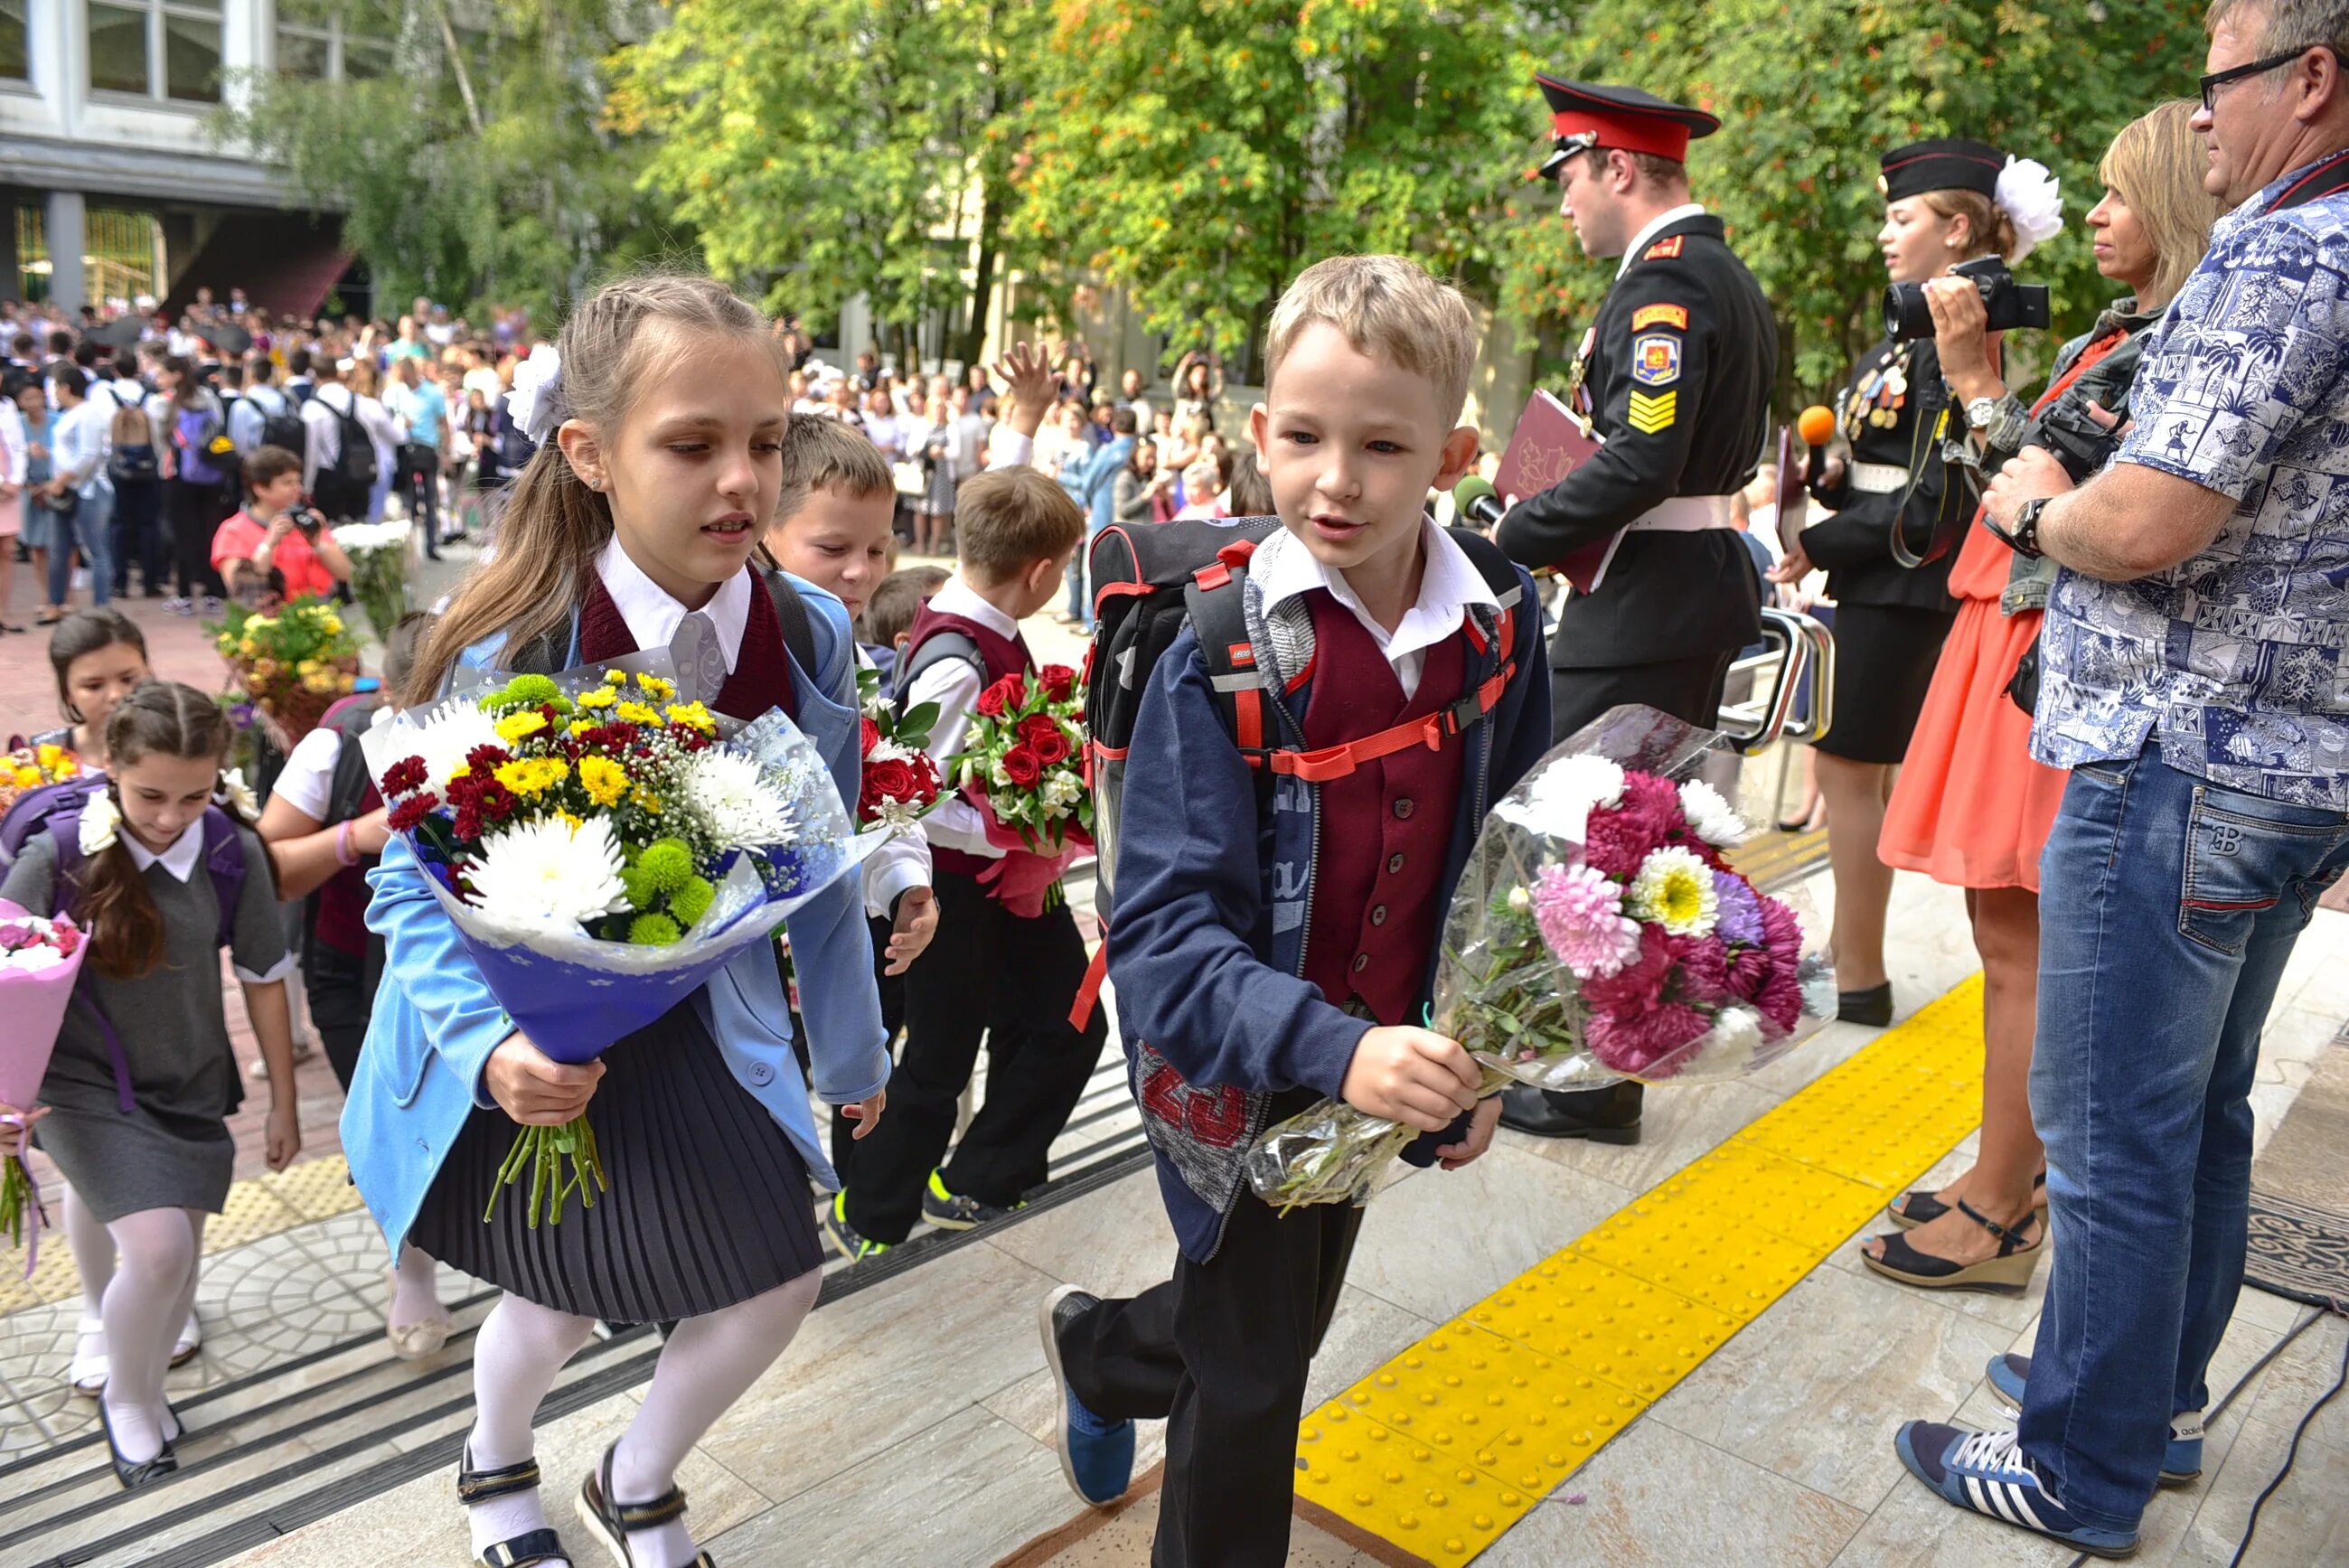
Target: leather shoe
(1871,1009)
(1602,1116)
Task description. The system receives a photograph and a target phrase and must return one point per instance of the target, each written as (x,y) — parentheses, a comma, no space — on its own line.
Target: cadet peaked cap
(1585,115)
(1952,163)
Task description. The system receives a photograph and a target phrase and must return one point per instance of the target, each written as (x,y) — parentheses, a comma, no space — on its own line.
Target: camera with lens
(2010,304)
(2082,445)
(306,521)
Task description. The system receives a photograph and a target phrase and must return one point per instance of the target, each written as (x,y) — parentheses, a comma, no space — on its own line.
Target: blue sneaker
(833,1218)
(1096,1454)
(954,1212)
(2181,1461)
(1987,1473)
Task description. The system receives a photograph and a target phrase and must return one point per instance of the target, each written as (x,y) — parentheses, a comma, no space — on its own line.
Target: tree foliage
(481,173)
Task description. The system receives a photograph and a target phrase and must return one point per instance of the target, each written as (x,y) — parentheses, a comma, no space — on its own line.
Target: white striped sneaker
(1988,1473)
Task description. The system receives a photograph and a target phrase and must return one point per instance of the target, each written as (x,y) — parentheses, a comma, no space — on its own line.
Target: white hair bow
(100,823)
(239,794)
(537,401)
(2033,201)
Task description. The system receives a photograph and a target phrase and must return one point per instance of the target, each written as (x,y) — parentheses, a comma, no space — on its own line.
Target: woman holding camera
(1948,202)
(1971,809)
(274,533)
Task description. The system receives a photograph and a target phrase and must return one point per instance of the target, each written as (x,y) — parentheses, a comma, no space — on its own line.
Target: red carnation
(410,812)
(890,780)
(1002,697)
(497,802)
(485,759)
(1059,681)
(405,776)
(872,733)
(468,824)
(1022,767)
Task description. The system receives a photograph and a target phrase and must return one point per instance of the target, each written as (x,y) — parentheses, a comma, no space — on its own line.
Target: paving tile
(1115,1242)
(270,1301)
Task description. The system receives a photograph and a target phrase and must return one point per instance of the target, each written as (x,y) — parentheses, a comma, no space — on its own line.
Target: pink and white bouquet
(39,958)
(1598,933)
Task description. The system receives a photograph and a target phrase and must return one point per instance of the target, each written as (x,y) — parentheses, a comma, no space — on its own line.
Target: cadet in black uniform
(1891,620)
(1675,376)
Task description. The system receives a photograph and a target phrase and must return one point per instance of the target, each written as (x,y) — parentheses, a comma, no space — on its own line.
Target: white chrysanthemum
(545,873)
(1727,1049)
(886,750)
(31,960)
(1674,890)
(1715,820)
(726,793)
(366,537)
(1561,797)
(446,738)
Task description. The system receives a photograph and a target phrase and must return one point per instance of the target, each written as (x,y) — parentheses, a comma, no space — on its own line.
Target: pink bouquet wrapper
(33,1002)
(1023,880)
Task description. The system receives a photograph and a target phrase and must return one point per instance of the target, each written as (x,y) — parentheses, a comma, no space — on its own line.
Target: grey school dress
(173,1149)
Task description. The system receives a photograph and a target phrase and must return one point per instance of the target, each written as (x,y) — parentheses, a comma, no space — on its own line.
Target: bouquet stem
(544,1151)
(18,1195)
(1332,1154)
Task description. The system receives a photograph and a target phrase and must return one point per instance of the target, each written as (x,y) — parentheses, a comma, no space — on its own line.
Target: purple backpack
(192,433)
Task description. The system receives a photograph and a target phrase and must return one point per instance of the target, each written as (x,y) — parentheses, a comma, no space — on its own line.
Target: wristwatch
(2023,538)
(1981,412)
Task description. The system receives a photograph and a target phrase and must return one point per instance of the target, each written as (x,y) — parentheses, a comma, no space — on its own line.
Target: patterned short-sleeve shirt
(2234,659)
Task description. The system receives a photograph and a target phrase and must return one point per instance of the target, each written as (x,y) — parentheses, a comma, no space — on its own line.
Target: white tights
(144,1305)
(709,1363)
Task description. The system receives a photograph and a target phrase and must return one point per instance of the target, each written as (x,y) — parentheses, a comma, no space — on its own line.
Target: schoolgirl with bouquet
(659,416)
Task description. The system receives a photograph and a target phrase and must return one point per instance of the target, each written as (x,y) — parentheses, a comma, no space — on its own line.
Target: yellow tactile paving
(264,1206)
(1451,1442)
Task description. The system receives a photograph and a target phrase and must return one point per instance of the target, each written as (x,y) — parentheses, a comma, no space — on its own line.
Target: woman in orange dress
(1971,808)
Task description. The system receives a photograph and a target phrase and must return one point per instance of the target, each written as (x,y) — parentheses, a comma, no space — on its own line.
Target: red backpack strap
(1218,613)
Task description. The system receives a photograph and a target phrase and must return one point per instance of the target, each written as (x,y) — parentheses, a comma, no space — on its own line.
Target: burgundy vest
(1002,656)
(762,669)
(343,898)
(1376,916)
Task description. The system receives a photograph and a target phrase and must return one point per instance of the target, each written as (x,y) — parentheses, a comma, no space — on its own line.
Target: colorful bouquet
(30,766)
(1022,764)
(603,850)
(293,666)
(901,784)
(379,552)
(39,957)
(1596,934)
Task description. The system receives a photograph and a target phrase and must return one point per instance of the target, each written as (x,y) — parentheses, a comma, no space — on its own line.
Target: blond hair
(1988,227)
(1007,520)
(2155,165)
(823,453)
(553,526)
(1387,305)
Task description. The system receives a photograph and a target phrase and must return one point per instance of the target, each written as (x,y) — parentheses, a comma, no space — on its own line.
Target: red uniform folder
(1548,444)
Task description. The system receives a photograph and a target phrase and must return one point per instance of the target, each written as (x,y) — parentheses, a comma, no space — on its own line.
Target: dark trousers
(988,974)
(341,991)
(194,514)
(419,484)
(138,535)
(1221,1352)
(1687,689)
(893,1018)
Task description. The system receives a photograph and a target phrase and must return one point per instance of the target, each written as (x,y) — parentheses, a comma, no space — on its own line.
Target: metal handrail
(1796,648)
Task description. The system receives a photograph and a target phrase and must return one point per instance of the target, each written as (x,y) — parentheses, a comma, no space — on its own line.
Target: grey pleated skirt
(709,1203)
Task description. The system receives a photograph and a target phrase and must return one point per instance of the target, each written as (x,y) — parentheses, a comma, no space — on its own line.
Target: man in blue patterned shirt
(2196,681)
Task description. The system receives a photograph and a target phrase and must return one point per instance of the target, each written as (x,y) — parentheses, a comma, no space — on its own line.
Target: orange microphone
(1816,425)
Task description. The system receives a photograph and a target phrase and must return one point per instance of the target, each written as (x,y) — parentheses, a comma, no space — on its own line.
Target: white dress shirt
(954,685)
(79,443)
(180,859)
(1283,568)
(903,863)
(653,616)
(1656,225)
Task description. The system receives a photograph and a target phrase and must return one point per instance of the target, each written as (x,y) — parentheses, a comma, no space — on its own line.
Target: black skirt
(709,1203)
(1885,655)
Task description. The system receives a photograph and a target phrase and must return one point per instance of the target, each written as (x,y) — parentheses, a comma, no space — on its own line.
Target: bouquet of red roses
(1022,764)
(901,783)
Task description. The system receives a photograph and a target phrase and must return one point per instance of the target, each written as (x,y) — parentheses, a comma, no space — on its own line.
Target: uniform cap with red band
(1584,115)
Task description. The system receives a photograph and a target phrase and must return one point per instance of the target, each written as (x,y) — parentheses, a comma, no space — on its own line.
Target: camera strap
(2326,177)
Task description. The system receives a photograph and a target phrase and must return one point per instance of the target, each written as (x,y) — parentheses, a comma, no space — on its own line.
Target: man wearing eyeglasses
(2195,680)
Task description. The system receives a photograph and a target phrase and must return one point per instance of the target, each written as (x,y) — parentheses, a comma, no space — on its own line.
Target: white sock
(414,1289)
(521,1349)
(145,1307)
(706,1365)
(92,1245)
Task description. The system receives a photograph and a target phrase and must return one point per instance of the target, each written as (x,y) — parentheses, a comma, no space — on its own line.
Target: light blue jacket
(435,1023)
(1098,489)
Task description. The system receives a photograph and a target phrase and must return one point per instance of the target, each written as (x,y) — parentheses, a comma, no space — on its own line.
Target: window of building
(166,49)
(16,59)
(333,40)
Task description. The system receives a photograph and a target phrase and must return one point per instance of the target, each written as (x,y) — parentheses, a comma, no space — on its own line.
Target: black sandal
(133,1476)
(1919,1207)
(480,1486)
(2007,1273)
(609,1522)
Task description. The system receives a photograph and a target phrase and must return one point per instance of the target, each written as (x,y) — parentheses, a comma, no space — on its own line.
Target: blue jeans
(2168,909)
(90,524)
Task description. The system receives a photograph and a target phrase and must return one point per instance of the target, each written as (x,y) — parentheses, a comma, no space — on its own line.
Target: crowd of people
(2085,654)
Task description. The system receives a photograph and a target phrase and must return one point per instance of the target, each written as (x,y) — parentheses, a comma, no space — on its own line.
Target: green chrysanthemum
(653,931)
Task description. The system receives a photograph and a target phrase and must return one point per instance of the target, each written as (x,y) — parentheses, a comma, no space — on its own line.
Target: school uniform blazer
(435,1023)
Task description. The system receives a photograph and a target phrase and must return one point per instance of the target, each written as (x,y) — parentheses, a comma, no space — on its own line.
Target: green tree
(1199,154)
(1811,92)
(468,164)
(825,149)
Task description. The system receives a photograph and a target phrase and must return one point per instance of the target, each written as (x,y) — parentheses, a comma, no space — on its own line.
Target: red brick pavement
(180,649)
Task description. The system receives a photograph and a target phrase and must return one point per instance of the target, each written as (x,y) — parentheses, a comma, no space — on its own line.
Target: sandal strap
(482,1486)
(533,1546)
(630,1516)
(2009,1239)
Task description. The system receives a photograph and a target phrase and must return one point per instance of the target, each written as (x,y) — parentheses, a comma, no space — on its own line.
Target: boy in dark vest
(988,973)
(1272,945)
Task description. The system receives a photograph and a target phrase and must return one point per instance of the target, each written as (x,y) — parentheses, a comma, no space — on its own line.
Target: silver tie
(700,666)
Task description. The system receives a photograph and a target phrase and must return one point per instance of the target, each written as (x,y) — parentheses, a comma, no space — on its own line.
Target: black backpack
(285,427)
(343,487)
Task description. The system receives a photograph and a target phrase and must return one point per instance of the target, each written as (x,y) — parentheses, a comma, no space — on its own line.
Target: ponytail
(126,938)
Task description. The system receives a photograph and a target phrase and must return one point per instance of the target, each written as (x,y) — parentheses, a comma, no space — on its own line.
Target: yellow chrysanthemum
(691,715)
(636,713)
(660,690)
(332,624)
(26,777)
(515,726)
(616,677)
(646,800)
(601,696)
(1674,890)
(463,771)
(532,776)
(603,780)
(574,823)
